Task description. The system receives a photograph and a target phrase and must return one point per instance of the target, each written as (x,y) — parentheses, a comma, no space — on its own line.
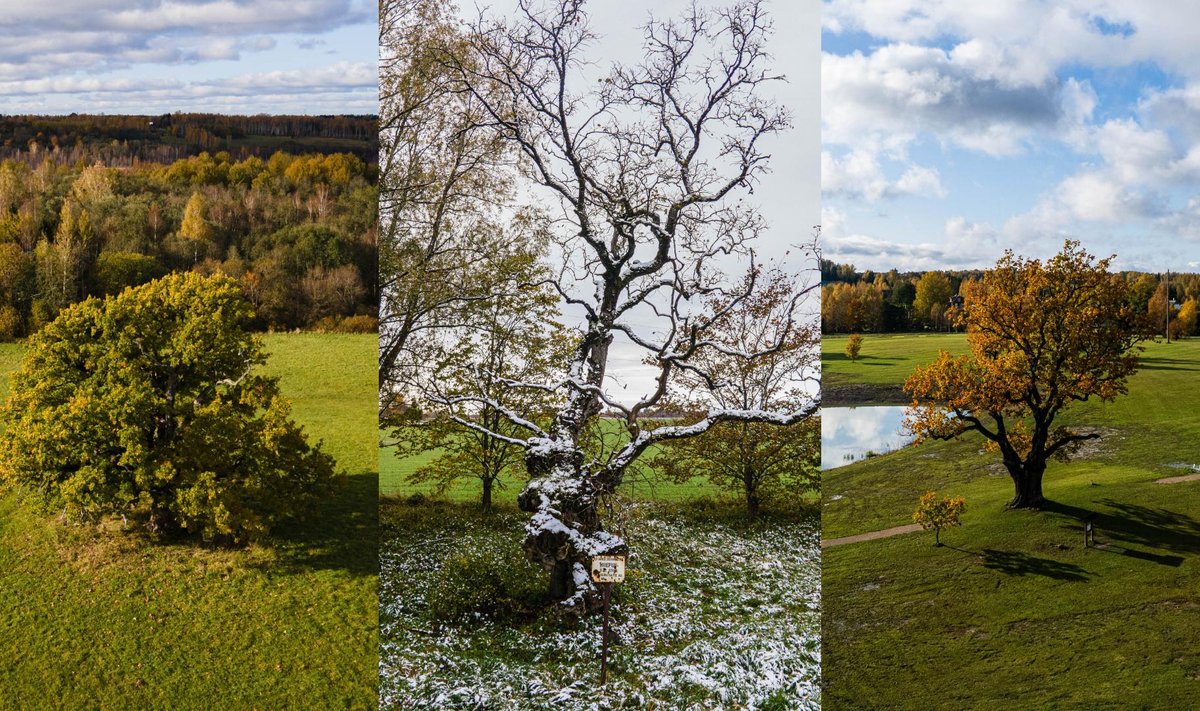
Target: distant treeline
(121,141)
(298,231)
(893,301)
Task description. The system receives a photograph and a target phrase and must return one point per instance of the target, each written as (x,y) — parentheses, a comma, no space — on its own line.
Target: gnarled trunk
(565,531)
(1027,483)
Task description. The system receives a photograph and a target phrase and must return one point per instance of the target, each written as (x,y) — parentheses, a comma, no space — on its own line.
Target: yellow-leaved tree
(1042,336)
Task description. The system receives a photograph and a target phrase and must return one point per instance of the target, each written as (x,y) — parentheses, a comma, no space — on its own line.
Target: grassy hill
(97,618)
(1015,608)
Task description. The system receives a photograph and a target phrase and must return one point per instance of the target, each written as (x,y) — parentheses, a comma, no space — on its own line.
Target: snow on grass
(713,614)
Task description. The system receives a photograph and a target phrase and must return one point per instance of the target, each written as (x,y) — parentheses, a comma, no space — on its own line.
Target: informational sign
(608,569)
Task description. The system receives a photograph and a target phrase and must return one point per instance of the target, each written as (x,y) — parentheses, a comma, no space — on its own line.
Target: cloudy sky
(952,130)
(157,56)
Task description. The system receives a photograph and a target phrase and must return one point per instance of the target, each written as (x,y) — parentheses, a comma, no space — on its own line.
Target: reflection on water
(848,434)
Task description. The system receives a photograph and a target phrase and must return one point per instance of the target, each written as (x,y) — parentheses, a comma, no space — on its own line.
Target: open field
(885,361)
(641,484)
(715,613)
(1015,607)
(103,619)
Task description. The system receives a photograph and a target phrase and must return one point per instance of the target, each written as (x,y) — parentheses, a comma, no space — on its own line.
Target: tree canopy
(152,402)
(1043,336)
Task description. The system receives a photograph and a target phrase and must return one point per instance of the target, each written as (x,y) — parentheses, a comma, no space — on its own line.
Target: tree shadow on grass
(341,533)
(1168,364)
(877,360)
(1133,524)
(1021,564)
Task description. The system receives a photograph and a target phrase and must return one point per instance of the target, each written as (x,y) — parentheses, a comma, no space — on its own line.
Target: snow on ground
(713,615)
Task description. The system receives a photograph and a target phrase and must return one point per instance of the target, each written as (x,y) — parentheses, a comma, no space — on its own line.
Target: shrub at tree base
(150,402)
(495,582)
(939,514)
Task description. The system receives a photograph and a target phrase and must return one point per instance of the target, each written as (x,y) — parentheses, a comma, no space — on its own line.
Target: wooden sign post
(606,571)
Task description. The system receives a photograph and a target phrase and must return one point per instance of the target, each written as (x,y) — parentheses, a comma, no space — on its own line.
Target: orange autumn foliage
(1042,336)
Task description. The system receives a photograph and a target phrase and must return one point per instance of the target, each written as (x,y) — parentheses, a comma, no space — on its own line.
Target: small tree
(510,336)
(939,513)
(150,401)
(757,460)
(853,346)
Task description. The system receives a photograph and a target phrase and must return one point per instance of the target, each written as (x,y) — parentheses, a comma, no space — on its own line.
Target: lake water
(848,433)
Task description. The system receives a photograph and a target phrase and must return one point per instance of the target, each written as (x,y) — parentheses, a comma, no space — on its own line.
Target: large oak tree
(1043,336)
(641,168)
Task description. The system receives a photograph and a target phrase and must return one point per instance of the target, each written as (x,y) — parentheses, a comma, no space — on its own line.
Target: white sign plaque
(608,569)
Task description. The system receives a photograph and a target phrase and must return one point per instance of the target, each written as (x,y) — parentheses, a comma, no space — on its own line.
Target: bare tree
(641,168)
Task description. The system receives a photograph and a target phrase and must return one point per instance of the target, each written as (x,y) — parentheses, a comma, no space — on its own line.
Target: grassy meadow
(93,617)
(1014,608)
(716,611)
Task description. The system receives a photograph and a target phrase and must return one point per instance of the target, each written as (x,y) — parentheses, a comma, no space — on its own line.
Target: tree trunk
(162,521)
(487,495)
(1027,484)
(752,504)
(558,484)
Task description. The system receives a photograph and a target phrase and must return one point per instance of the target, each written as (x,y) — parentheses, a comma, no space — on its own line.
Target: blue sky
(156,56)
(954,130)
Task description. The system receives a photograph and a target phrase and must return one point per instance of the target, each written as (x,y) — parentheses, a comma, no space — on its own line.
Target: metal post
(605,591)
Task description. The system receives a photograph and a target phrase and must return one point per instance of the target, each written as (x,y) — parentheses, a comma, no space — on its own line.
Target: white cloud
(858,174)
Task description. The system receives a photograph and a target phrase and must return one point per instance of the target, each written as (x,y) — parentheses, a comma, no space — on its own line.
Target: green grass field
(102,619)
(1015,609)
(641,484)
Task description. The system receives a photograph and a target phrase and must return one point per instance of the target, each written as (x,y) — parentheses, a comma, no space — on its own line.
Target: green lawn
(642,484)
(1014,608)
(101,619)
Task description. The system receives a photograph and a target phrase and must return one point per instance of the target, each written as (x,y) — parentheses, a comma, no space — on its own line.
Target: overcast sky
(955,129)
(157,56)
(789,196)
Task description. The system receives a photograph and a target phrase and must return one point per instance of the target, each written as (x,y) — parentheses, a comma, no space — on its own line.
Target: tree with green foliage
(446,186)
(932,298)
(152,403)
(512,336)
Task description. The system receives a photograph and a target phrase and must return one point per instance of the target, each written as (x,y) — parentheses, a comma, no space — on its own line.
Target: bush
(494,582)
(346,324)
(151,402)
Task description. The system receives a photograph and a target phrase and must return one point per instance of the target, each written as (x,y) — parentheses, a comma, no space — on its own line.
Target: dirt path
(887,533)
(1177,479)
